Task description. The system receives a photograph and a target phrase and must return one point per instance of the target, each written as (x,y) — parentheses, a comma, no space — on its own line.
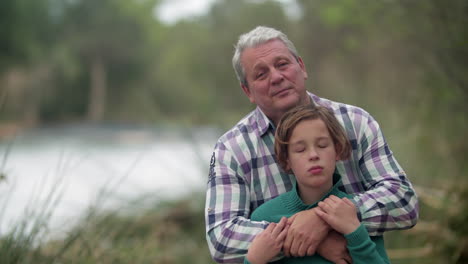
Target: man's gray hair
(254,38)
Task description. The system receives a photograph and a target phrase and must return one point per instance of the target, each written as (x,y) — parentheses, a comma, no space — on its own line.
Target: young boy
(308,142)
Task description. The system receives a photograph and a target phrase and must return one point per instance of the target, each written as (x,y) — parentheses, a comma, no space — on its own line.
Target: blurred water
(79,162)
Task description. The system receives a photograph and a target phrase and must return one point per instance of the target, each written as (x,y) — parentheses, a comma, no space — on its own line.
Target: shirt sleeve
(363,250)
(389,201)
(229,230)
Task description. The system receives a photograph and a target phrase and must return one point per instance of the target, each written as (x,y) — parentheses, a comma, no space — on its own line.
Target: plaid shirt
(244,174)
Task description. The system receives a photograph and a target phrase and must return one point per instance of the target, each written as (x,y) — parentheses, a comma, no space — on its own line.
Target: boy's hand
(267,244)
(340,214)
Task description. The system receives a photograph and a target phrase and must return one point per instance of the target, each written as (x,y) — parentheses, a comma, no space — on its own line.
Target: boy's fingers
(346,200)
(283,233)
(279,227)
(270,227)
(287,244)
(324,206)
(322,214)
(334,198)
(319,211)
(291,219)
(283,221)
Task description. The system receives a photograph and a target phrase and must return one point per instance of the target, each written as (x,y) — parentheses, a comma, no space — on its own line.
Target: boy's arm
(340,214)
(362,249)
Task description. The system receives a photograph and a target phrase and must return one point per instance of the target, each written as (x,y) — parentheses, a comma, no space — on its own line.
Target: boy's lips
(316,170)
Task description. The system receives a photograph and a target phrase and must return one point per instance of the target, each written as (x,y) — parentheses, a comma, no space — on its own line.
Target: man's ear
(303,67)
(248,93)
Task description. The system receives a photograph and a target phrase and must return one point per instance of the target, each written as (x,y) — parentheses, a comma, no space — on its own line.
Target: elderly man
(244,172)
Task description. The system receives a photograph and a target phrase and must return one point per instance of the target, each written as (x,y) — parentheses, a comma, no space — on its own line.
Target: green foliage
(166,232)
(22,41)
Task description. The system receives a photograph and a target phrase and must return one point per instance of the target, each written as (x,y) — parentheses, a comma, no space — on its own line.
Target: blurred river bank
(108,164)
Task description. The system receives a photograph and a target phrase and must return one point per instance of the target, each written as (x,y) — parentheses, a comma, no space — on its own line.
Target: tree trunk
(97,95)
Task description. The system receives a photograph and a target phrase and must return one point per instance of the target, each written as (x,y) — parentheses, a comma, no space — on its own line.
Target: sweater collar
(294,201)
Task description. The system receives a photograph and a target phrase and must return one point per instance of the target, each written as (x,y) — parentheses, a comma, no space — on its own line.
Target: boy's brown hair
(293,117)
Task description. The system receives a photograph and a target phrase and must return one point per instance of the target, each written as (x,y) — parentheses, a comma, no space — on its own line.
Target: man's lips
(279,92)
(316,170)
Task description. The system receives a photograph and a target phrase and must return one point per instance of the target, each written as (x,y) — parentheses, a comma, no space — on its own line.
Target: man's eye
(260,75)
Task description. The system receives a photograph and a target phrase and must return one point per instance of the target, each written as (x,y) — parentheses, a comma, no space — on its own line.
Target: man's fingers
(302,250)
(342,261)
(348,258)
(295,248)
(311,250)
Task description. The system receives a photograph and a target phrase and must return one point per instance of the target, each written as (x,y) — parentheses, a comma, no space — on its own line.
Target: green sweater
(362,248)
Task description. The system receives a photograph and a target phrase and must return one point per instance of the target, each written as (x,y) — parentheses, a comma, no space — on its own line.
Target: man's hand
(306,232)
(333,248)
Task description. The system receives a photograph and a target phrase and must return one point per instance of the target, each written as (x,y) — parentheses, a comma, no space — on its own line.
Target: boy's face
(312,155)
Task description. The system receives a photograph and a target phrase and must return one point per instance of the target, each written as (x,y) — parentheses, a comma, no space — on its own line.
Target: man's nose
(276,76)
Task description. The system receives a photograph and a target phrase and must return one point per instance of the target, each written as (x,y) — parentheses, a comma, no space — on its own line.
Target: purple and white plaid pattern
(244,174)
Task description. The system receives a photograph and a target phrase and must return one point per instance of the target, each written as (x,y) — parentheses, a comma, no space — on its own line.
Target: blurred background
(109,111)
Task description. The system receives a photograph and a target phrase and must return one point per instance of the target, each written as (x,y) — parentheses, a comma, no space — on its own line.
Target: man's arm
(390,201)
(229,231)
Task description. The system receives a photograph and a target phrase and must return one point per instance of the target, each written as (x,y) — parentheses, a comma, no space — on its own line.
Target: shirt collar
(263,122)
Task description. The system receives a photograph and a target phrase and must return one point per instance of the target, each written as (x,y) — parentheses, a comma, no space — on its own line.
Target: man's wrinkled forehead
(271,50)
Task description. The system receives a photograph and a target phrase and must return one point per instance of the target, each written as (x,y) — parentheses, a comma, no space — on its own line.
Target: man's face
(276,80)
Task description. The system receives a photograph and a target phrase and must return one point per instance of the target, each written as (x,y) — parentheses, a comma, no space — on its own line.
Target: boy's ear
(288,167)
(338,152)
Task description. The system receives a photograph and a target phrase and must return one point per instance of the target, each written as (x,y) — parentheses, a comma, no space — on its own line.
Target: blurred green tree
(26,29)
(113,39)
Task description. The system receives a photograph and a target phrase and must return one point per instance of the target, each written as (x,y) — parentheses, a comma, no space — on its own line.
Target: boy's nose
(313,154)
